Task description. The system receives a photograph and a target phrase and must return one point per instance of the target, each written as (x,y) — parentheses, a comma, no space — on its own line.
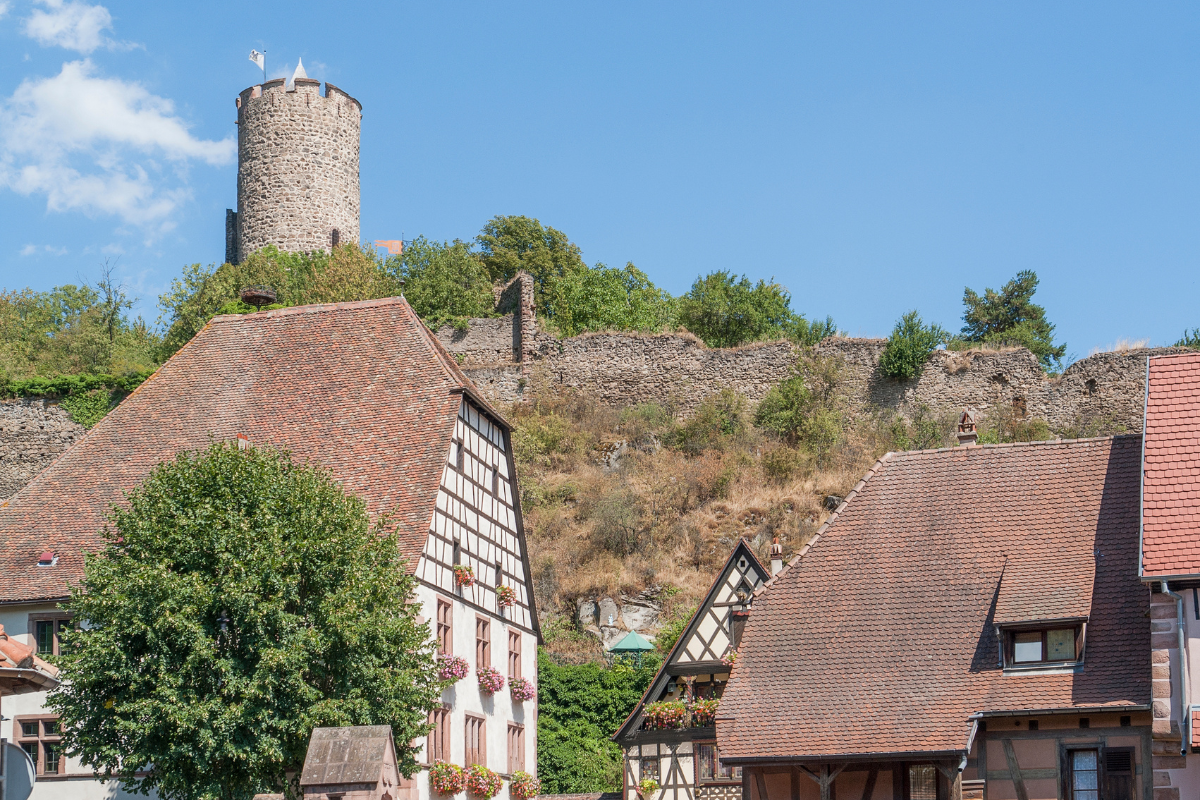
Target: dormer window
(1060,645)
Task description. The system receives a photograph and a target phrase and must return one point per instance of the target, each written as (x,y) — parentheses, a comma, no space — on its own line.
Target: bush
(604,298)
(725,311)
(718,418)
(805,409)
(1190,339)
(669,634)
(909,346)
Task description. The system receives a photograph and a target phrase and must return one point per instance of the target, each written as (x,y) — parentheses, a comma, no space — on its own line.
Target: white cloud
(98,145)
(4,9)
(70,24)
(33,249)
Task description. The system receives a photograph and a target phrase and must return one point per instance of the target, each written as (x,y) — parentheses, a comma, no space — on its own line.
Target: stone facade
(510,360)
(297,182)
(32,434)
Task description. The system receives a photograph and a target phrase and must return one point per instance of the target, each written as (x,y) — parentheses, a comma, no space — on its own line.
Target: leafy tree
(509,244)
(1011,317)
(909,346)
(579,708)
(805,409)
(606,298)
(443,281)
(199,294)
(240,601)
(725,311)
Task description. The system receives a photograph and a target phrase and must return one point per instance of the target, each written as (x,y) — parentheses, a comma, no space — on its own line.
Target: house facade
(1170,566)
(967,624)
(682,756)
(365,391)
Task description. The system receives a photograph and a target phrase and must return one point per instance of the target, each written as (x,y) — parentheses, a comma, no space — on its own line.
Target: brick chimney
(776,556)
(967,432)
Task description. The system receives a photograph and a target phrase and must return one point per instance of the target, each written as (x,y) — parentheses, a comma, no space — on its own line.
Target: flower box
(522,689)
(464,575)
(482,782)
(667,715)
(524,786)
(730,658)
(490,680)
(447,779)
(452,668)
(704,713)
(505,596)
(646,787)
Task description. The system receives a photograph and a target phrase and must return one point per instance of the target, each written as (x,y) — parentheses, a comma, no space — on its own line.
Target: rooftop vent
(967,432)
(257,296)
(47,559)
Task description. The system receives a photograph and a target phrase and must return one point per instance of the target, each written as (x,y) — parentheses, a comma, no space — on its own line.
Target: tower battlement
(298,182)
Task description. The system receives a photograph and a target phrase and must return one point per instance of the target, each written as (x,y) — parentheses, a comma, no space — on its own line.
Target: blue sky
(871,157)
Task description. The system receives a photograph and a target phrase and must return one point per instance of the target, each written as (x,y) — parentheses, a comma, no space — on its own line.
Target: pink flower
(490,680)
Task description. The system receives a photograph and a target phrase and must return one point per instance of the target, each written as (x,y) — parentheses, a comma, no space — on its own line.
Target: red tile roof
(878,637)
(360,388)
(21,671)
(1171,492)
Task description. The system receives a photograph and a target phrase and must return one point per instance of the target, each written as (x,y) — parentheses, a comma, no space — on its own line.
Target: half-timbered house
(365,391)
(683,757)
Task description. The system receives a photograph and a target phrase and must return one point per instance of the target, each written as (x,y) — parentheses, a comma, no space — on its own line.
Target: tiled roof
(21,670)
(361,388)
(878,637)
(1171,494)
(349,755)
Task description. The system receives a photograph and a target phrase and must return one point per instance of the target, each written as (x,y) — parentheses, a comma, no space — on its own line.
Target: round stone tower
(297,182)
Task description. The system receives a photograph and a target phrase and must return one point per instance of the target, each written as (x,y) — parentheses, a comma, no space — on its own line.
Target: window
(438,748)
(47,633)
(1085,774)
(516,747)
(445,629)
(514,654)
(496,480)
(483,643)
(476,741)
(709,767)
(40,738)
(650,767)
(1042,647)
(922,782)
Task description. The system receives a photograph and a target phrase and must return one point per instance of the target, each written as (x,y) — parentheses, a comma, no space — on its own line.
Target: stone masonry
(1164,667)
(297,185)
(509,360)
(32,434)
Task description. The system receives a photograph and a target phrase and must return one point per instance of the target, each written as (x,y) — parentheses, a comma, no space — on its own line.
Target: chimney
(967,433)
(776,556)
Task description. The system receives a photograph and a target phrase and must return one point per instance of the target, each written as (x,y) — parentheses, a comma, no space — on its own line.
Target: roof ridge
(311,308)
(1006,445)
(858,487)
(1184,353)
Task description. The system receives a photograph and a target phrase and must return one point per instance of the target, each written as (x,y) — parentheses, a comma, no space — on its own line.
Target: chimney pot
(968,432)
(776,556)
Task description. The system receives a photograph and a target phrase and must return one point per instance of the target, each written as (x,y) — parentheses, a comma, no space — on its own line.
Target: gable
(476,519)
(708,637)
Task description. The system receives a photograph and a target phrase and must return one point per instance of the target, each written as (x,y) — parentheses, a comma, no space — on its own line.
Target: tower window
(336,237)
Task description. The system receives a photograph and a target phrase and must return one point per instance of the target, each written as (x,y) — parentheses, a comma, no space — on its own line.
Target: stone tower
(297,185)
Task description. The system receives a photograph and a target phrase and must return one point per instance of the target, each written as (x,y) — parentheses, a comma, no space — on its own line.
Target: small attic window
(1046,647)
(47,559)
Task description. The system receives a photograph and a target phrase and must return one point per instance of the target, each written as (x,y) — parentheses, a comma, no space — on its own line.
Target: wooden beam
(762,785)
(869,789)
(1014,770)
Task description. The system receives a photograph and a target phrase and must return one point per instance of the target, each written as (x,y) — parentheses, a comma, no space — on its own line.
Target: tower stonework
(297,184)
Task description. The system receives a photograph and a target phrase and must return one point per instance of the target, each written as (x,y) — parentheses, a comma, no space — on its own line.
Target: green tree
(579,708)
(606,298)
(726,311)
(443,281)
(1190,339)
(511,243)
(909,346)
(1010,316)
(240,601)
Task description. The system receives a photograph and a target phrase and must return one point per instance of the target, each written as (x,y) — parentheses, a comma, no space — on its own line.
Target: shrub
(1190,339)
(604,298)
(524,786)
(718,418)
(780,464)
(806,408)
(490,680)
(725,311)
(482,782)
(452,668)
(447,779)
(909,346)
(673,629)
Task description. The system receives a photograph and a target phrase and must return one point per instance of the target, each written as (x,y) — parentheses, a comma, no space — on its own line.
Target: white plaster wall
(465,697)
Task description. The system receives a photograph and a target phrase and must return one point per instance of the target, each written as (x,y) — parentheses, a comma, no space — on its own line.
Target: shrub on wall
(909,346)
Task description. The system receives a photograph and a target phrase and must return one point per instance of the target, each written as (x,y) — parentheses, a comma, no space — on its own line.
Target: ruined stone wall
(1104,391)
(32,434)
(297,167)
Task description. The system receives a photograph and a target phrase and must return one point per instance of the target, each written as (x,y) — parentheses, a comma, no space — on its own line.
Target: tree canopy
(726,311)
(508,244)
(240,601)
(607,298)
(1010,316)
(443,281)
(909,347)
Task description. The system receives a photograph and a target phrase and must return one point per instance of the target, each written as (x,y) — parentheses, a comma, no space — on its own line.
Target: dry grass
(620,501)
(1121,346)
